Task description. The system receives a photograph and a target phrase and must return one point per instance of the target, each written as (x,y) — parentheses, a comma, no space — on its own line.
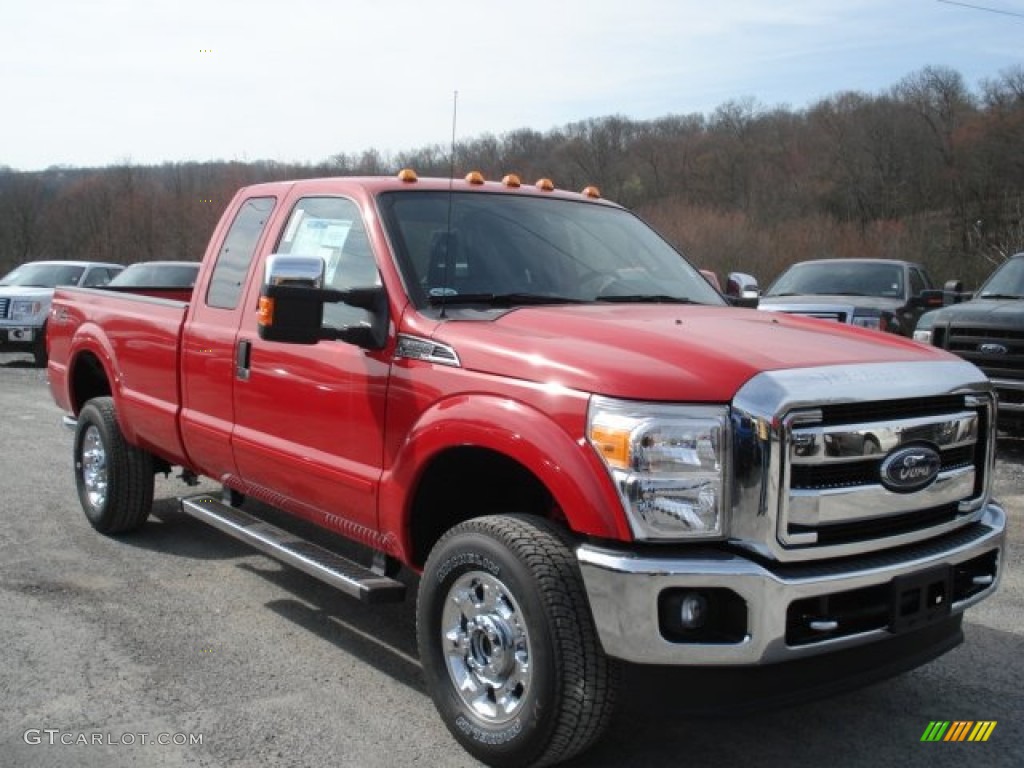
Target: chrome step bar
(340,572)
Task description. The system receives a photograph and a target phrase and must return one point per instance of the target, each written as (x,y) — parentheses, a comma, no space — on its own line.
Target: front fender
(566,464)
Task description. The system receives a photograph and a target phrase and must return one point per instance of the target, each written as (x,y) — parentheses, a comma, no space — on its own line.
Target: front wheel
(114,479)
(508,645)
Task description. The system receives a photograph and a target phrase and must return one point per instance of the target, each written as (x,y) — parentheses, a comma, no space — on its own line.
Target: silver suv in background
(26,293)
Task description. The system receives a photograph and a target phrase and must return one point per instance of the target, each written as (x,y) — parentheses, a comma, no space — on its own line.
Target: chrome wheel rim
(94,467)
(487,646)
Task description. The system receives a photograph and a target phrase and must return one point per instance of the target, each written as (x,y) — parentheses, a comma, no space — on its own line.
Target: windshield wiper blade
(1000,296)
(644,298)
(502,299)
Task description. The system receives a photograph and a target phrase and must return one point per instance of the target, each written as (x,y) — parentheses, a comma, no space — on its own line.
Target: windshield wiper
(502,299)
(644,298)
(1000,296)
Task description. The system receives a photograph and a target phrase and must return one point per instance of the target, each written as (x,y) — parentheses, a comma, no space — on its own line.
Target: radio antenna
(448,255)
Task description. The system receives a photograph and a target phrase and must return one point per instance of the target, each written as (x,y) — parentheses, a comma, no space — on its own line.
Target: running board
(344,574)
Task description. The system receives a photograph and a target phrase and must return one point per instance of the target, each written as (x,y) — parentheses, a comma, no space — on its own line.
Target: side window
(331,228)
(917,282)
(237,252)
(97,277)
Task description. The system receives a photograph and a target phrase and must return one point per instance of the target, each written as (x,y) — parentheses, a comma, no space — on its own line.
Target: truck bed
(137,340)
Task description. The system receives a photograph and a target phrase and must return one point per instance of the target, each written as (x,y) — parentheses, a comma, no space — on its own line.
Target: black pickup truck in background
(988,331)
(881,294)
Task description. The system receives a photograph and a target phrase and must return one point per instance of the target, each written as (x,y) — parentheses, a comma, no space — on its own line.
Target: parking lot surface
(177,646)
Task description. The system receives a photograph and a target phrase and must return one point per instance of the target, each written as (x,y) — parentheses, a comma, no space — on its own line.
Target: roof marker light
(591,191)
(474,177)
(545,184)
(511,180)
(407,174)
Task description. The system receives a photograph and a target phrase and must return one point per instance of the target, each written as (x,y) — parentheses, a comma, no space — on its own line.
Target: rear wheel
(114,479)
(508,645)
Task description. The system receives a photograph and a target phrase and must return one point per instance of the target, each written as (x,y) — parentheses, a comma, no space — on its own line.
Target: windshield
(838,278)
(1008,280)
(157,276)
(505,249)
(44,275)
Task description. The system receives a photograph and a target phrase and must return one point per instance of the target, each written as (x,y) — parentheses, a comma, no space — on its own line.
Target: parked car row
(988,330)
(900,297)
(27,291)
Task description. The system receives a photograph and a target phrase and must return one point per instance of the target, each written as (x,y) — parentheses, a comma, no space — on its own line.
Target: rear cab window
(237,252)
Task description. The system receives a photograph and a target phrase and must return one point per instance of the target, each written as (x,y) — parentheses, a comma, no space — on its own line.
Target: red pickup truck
(528,398)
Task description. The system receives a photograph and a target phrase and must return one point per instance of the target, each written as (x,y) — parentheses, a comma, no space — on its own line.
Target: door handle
(243,353)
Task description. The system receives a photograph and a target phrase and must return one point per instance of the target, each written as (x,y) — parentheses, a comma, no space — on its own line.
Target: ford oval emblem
(992,349)
(910,468)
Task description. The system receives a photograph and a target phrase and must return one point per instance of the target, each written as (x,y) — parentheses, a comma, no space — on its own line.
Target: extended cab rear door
(209,341)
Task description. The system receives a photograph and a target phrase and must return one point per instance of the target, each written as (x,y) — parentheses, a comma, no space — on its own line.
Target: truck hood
(25,292)
(663,352)
(1003,312)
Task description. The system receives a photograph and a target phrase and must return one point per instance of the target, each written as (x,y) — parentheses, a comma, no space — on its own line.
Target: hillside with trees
(931,170)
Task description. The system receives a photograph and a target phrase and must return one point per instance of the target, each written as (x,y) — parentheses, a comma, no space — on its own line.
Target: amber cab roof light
(546,185)
(408,174)
(474,177)
(591,191)
(511,180)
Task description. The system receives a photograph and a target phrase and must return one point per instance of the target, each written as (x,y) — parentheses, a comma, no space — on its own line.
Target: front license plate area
(918,599)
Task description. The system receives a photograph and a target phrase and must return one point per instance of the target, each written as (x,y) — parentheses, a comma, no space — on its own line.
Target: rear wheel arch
(87,379)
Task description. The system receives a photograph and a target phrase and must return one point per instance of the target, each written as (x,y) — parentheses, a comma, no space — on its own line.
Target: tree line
(930,170)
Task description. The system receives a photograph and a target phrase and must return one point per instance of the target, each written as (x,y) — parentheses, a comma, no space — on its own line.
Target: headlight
(874,322)
(667,462)
(23,309)
(925,336)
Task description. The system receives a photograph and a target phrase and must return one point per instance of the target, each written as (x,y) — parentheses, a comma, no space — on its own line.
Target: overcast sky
(90,83)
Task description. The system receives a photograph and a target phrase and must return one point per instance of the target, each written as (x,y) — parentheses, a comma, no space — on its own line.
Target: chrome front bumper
(624,587)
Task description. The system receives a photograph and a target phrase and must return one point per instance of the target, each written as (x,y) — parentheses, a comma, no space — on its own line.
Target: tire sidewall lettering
(465,561)
(490,737)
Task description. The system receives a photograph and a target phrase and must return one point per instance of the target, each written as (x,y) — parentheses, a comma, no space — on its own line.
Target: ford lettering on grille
(910,468)
(992,349)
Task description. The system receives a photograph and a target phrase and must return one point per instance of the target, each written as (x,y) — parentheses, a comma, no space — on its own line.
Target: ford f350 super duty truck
(530,399)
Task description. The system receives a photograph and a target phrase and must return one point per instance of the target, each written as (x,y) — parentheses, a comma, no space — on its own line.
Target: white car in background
(26,293)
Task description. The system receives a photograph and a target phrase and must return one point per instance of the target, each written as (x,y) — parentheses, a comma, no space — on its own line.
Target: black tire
(507,712)
(114,479)
(39,349)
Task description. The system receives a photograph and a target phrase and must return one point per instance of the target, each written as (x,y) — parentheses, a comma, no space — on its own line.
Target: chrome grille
(810,447)
(833,476)
(4,304)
